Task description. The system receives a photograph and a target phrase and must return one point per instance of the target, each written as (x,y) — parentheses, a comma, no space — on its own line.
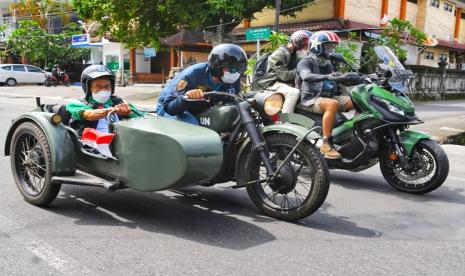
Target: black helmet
(229,55)
(95,72)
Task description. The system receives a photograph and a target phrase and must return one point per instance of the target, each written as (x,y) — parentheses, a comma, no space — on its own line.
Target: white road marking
(452,129)
(112,214)
(49,254)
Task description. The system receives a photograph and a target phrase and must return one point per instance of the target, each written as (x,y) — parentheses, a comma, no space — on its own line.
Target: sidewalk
(441,127)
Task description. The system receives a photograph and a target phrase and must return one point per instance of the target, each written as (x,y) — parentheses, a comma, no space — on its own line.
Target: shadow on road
(204,215)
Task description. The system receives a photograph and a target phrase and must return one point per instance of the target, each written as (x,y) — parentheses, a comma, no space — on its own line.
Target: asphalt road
(364,228)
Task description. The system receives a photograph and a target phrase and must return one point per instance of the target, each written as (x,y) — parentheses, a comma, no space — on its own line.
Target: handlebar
(208,95)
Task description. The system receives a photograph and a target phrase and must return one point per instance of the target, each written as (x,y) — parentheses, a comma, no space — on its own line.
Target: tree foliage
(140,23)
(394,36)
(40,10)
(32,42)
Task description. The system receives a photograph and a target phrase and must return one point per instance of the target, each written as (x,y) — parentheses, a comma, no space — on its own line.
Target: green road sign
(257,33)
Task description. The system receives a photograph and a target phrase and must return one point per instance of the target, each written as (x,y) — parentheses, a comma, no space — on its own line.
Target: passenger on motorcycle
(222,72)
(316,79)
(281,69)
(98,83)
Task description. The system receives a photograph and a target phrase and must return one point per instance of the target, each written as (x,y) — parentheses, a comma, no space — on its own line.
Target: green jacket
(281,67)
(76,108)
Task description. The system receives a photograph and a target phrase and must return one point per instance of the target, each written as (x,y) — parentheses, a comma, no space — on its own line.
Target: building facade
(441,19)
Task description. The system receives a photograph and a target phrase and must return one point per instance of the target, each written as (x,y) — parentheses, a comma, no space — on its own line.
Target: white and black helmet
(96,72)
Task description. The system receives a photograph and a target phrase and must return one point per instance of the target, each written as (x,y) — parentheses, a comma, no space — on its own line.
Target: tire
(437,164)
(67,83)
(29,145)
(313,195)
(48,83)
(11,82)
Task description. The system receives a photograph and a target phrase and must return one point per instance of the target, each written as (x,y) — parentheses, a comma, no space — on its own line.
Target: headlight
(271,102)
(391,107)
(56,119)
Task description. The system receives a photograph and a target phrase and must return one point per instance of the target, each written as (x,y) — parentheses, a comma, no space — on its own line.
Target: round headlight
(273,104)
(56,119)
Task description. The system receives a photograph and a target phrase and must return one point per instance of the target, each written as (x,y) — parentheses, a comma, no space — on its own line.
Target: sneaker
(329,152)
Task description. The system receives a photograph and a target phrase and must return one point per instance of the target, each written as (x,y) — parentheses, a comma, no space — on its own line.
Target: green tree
(140,23)
(33,43)
(395,35)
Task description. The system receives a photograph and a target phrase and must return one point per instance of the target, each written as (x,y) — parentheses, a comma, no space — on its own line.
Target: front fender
(59,140)
(296,130)
(410,138)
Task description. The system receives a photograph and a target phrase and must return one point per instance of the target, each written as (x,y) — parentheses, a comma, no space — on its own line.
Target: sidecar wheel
(430,170)
(31,164)
(300,189)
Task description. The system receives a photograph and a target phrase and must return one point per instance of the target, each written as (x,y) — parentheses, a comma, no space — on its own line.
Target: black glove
(335,76)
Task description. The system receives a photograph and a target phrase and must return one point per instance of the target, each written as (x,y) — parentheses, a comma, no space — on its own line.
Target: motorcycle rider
(98,83)
(56,72)
(222,72)
(281,69)
(316,78)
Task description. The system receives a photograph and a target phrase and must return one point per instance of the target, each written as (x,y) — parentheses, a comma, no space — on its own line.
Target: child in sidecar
(98,83)
(89,116)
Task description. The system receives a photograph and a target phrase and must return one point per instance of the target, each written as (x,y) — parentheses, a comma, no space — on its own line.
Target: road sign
(80,40)
(252,34)
(150,52)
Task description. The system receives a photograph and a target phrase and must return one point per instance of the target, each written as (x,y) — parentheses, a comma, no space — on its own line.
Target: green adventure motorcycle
(409,160)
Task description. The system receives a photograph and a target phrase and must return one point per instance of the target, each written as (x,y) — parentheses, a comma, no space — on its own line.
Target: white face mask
(102,96)
(229,77)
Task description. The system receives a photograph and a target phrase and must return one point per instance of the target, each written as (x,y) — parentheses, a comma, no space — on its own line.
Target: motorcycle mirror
(337,57)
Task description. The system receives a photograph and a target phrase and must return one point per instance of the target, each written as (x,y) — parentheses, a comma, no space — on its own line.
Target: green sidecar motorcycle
(281,169)
(410,161)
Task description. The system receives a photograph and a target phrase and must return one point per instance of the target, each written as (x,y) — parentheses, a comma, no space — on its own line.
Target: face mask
(102,96)
(229,77)
(329,49)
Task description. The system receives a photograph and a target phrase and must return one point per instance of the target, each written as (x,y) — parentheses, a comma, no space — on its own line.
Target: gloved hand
(335,76)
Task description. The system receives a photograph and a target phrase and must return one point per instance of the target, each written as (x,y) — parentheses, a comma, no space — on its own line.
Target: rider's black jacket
(311,77)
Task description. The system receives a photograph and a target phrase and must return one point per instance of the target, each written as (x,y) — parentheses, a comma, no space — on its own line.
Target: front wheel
(430,167)
(31,163)
(299,189)
(48,82)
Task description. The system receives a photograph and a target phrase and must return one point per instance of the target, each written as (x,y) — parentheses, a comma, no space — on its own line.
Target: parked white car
(11,74)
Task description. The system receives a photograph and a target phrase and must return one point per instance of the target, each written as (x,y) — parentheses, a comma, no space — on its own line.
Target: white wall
(142,63)
(412,54)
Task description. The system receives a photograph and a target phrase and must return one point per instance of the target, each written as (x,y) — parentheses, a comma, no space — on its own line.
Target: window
(19,68)
(443,57)
(434,3)
(448,7)
(33,69)
(6,68)
(429,55)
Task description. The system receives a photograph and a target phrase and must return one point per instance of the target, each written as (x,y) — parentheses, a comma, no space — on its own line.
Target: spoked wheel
(301,186)
(430,167)
(31,164)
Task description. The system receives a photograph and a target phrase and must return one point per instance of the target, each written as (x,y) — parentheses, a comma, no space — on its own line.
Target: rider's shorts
(315,108)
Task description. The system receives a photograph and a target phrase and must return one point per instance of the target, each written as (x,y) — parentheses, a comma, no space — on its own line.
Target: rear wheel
(430,167)
(31,163)
(66,83)
(302,184)
(11,82)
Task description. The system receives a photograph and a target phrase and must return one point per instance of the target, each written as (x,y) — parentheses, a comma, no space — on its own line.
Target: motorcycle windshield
(400,76)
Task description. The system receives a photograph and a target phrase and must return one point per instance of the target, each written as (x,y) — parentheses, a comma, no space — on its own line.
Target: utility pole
(276,16)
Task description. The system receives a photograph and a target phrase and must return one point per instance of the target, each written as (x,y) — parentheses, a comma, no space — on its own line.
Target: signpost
(257,34)
(81,40)
(150,52)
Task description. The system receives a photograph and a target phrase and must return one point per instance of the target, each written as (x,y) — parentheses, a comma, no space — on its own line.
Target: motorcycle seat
(340,118)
